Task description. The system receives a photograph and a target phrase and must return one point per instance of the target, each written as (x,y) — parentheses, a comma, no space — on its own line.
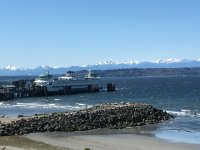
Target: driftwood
(4,148)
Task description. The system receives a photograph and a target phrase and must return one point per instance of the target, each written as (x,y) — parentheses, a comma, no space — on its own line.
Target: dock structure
(12,91)
(27,88)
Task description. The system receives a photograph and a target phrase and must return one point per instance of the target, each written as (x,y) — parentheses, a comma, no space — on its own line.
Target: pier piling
(110,87)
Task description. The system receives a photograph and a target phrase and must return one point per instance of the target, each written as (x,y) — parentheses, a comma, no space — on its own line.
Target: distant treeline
(148,72)
(133,72)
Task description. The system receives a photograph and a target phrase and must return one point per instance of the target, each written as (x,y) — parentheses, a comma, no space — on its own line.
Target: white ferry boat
(68,83)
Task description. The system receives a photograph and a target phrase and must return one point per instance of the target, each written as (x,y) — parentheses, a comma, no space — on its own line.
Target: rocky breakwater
(100,116)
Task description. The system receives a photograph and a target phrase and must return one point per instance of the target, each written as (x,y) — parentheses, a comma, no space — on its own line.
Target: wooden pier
(27,88)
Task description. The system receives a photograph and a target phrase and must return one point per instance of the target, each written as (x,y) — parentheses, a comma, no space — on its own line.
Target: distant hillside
(134,72)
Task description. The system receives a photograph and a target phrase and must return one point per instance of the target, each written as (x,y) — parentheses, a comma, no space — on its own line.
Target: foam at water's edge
(179,136)
(57,99)
(184,112)
(80,104)
(77,106)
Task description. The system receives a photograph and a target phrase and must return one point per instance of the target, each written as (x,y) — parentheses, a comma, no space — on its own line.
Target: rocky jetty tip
(112,115)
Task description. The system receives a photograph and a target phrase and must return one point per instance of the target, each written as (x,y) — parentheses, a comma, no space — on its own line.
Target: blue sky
(78,32)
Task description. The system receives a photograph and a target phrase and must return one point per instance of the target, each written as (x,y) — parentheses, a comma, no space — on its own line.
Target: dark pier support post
(89,88)
(45,91)
(110,87)
(67,90)
(92,88)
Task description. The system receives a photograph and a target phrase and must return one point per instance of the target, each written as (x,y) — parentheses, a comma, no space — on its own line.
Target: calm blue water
(177,95)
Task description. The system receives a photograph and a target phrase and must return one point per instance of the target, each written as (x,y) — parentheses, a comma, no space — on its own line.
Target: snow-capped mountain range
(103,65)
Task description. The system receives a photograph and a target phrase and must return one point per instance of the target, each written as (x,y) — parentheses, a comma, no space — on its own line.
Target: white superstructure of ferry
(68,82)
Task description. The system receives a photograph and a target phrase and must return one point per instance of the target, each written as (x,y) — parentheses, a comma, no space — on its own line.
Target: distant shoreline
(122,72)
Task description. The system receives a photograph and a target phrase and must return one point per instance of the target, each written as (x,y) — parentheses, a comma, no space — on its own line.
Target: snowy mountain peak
(10,67)
(44,66)
(168,60)
(104,65)
(56,67)
(135,62)
(116,62)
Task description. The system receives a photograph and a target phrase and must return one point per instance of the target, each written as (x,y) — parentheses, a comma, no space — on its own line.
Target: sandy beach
(136,138)
(71,141)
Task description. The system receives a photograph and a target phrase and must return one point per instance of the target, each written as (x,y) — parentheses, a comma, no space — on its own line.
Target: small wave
(197,114)
(177,113)
(52,106)
(103,89)
(124,88)
(80,104)
(184,112)
(1,103)
(27,103)
(89,106)
(57,99)
(185,136)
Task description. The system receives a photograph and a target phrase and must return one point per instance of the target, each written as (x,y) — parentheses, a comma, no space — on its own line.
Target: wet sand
(24,143)
(82,140)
